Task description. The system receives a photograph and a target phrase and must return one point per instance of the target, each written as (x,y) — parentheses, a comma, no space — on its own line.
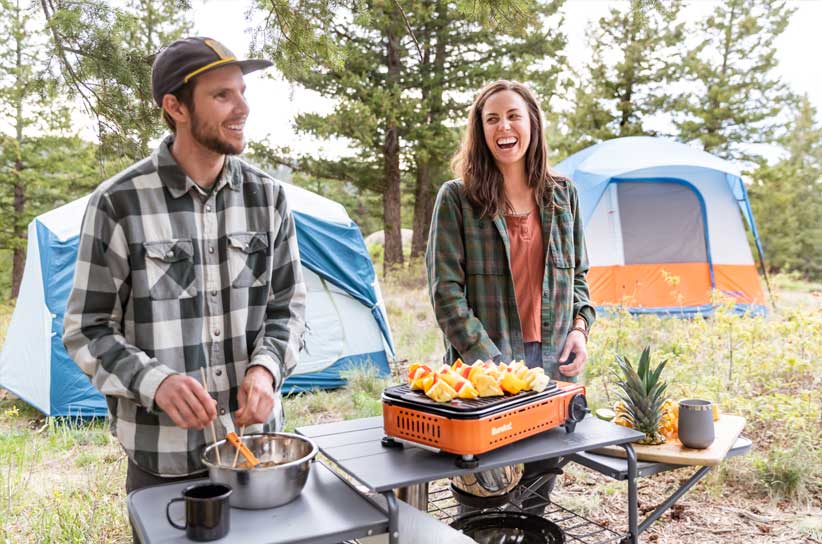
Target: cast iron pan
(491,501)
(509,528)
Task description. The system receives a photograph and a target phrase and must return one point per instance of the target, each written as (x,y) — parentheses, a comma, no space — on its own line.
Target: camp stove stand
(354,448)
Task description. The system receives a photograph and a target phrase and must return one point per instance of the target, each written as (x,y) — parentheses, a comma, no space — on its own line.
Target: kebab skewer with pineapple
(482,379)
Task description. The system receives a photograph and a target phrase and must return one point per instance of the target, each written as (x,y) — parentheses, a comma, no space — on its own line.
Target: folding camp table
(354,447)
(332,509)
(618,469)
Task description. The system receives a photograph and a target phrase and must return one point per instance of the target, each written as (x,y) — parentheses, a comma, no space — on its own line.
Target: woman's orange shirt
(527,269)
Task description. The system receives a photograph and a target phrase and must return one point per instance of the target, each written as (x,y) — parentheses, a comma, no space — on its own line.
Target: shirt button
(218,372)
(222,411)
(211,249)
(170,254)
(214,293)
(544,323)
(216,332)
(545,293)
(208,208)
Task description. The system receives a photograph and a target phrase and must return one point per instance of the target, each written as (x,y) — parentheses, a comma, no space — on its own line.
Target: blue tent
(346,318)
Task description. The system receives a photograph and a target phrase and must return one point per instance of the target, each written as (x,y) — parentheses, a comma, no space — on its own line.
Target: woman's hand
(574,343)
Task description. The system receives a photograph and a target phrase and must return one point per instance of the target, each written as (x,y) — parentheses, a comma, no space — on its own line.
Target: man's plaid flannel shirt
(470,282)
(172,279)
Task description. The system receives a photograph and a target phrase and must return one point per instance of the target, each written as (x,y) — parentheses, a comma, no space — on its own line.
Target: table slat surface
(356,448)
(327,511)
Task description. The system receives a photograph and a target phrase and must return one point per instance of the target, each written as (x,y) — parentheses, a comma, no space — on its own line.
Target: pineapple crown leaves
(642,391)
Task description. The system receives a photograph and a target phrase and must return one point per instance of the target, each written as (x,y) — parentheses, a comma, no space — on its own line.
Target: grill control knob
(577,409)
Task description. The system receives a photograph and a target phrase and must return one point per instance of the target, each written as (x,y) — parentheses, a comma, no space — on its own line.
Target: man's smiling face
(220,111)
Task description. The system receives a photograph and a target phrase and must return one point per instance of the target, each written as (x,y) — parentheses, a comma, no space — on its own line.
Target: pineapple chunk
(539,382)
(440,391)
(487,386)
(511,384)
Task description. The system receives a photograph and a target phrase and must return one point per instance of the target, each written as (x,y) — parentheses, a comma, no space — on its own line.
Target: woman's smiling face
(506,127)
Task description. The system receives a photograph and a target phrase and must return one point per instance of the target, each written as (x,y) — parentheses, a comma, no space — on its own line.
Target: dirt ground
(711,512)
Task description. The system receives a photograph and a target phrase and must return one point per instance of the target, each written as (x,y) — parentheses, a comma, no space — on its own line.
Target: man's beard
(210,139)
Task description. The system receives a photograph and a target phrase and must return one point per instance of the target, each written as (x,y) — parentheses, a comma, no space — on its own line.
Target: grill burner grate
(403,395)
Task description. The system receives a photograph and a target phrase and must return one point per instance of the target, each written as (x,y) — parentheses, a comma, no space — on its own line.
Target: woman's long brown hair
(475,164)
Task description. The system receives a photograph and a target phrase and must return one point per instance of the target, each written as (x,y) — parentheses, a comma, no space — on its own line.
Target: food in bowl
(285,462)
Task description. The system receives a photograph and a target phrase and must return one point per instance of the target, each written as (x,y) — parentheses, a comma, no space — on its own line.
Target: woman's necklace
(514,213)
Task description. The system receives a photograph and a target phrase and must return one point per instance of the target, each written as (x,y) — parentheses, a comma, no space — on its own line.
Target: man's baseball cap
(175,65)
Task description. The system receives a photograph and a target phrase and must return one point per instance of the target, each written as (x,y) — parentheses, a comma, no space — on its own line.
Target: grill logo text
(501,429)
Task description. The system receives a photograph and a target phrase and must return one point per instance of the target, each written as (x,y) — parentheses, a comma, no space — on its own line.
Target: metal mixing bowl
(263,487)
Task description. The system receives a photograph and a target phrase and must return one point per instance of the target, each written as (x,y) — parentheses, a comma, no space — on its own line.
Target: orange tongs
(244,451)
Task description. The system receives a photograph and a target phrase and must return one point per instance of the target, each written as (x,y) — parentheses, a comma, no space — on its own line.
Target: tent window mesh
(661,223)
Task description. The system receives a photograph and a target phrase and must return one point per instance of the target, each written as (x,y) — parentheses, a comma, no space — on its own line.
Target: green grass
(784,471)
(61,481)
(795,282)
(360,399)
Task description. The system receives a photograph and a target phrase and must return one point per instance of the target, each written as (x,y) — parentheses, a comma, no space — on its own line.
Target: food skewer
(242,430)
(213,432)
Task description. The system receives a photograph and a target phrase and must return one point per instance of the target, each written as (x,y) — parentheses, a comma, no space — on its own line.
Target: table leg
(393,517)
(633,518)
(415,495)
(684,488)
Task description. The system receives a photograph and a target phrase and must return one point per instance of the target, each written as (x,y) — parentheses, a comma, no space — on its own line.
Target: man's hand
(186,402)
(574,343)
(261,404)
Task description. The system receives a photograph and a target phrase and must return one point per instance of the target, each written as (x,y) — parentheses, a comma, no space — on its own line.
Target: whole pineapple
(643,395)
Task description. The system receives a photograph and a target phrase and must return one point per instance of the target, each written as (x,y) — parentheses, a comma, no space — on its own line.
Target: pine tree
(402,76)
(787,199)
(627,80)
(447,68)
(105,52)
(30,106)
(733,97)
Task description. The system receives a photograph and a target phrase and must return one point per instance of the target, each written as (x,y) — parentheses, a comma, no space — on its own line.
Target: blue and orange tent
(664,227)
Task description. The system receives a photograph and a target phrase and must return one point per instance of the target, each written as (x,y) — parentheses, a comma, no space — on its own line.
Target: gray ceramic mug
(696,423)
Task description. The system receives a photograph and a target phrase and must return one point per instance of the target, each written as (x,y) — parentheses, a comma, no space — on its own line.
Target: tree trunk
(625,106)
(19,255)
(433,90)
(18,221)
(392,211)
(423,208)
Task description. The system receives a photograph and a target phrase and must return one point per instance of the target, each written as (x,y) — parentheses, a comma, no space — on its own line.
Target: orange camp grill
(469,427)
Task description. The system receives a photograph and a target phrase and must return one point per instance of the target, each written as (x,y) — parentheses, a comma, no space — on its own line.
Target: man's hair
(185,96)
(476,166)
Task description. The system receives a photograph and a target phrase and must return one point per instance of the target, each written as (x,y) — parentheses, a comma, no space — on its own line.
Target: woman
(506,254)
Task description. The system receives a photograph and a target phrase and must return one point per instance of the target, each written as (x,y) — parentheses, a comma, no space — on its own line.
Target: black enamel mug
(207,511)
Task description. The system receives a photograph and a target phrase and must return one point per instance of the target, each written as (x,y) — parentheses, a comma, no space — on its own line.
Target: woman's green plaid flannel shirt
(470,282)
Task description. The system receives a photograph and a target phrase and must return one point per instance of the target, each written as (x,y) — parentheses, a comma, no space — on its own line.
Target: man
(188,260)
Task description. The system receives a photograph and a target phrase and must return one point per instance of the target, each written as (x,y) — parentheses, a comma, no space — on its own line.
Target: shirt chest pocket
(248,259)
(562,240)
(170,269)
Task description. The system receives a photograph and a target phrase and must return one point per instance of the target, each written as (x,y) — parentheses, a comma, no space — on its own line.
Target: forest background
(399,76)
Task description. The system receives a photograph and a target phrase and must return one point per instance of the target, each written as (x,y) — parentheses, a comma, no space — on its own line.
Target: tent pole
(767,279)
(757,241)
